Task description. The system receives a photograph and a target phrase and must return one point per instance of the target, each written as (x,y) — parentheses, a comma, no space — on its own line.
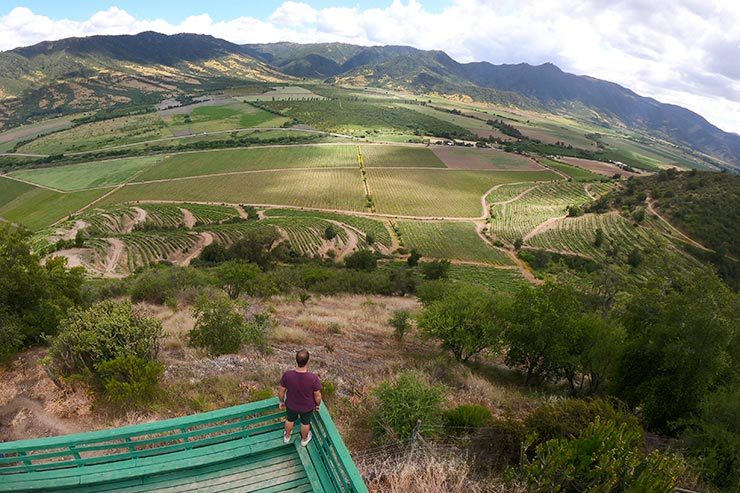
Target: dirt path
(205,240)
(38,185)
(117,248)
(353,238)
(542,227)
(523,268)
(681,236)
(188,218)
(590,194)
(242,213)
(22,417)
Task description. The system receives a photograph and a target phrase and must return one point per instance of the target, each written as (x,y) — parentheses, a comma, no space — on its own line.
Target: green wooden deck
(238,449)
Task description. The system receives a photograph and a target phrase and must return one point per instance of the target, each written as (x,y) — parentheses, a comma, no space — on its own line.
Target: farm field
(235,160)
(306,234)
(364,224)
(96,135)
(509,192)
(9,138)
(598,167)
(318,188)
(516,219)
(551,133)
(499,279)
(215,118)
(440,193)
(578,174)
(450,240)
(11,190)
(281,93)
(39,207)
(143,249)
(466,158)
(88,175)
(472,124)
(379,156)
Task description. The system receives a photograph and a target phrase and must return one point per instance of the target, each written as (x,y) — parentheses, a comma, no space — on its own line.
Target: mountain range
(77,74)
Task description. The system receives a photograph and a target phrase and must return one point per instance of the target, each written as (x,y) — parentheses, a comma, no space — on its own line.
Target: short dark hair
(301,357)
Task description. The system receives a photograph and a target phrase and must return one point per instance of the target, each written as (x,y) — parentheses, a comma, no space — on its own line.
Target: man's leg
(304,430)
(290,418)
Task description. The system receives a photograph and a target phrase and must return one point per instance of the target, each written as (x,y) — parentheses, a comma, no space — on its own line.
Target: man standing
(303,390)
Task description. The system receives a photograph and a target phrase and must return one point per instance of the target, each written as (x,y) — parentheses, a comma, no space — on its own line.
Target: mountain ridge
(56,73)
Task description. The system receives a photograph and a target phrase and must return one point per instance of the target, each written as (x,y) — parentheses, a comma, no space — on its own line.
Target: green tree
(681,341)
(237,277)
(103,332)
(518,243)
(361,260)
(330,232)
(598,237)
(401,323)
(33,296)
(414,257)
(221,326)
(543,332)
(466,319)
(436,269)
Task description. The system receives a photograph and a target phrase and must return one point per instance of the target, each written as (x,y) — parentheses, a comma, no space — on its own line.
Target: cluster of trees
(668,348)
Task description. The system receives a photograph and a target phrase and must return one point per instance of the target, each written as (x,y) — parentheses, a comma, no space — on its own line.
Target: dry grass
(430,471)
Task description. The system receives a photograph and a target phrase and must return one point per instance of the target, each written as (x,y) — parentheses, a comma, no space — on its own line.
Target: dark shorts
(291,416)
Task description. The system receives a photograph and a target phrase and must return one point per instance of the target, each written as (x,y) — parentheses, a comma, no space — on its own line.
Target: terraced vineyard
(363,224)
(515,219)
(230,233)
(508,192)
(151,247)
(306,234)
(576,235)
(210,214)
(450,240)
(164,216)
(109,220)
(497,278)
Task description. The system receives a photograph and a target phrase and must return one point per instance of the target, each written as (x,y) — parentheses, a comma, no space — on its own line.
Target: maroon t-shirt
(301,387)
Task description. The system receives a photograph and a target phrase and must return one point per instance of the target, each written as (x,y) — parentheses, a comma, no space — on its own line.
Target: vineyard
(161,216)
(317,188)
(229,233)
(363,224)
(439,193)
(514,220)
(109,220)
(306,234)
(576,173)
(496,278)
(379,156)
(265,158)
(450,240)
(148,248)
(577,236)
(210,214)
(508,192)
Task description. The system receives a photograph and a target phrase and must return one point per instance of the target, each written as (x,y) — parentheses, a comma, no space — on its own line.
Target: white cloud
(685,52)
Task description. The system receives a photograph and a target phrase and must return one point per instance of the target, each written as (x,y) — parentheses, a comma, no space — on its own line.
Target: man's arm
(317,398)
(281,396)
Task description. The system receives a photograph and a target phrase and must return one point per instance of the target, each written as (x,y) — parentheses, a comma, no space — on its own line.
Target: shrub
(221,326)
(467,418)
(401,323)
(404,401)
(260,395)
(369,238)
(160,284)
(103,332)
(414,257)
(436,269)
(214,253)
(606,456)
(237,277)
(11,337)
(330,232)
(328,388)
(361,260)
(129,381)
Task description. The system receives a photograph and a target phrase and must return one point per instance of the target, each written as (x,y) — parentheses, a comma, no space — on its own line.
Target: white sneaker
(308,439)
(286,439)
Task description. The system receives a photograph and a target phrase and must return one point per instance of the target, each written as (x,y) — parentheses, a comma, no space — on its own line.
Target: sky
(685,52)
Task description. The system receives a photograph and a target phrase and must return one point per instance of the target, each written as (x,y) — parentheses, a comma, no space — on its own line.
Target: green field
(488,159)
(38,207)
(88,175)
(450,240)
(319,188)
(96,135)
(496,278)
(11,190)
(440,193)
(235,160)
(380,156)
(509,192)
(209,118)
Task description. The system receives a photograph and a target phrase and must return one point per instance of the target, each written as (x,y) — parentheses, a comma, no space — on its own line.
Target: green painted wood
(233,449)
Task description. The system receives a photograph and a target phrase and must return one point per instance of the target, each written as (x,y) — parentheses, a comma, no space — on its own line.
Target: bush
(361,260)
(567,418)
(401,323)
(404,401)
(11,337)
(414,257)
(103,332)
(330,232)
(467,418)
(129,381)
(237,277)
(606,456)
(160,284)
(221,326)
(436,269)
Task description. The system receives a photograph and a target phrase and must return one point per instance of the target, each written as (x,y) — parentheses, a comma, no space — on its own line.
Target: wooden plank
(343,455)
(317,483)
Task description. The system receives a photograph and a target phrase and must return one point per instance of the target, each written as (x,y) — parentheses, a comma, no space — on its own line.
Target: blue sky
(683,52)
(176,11)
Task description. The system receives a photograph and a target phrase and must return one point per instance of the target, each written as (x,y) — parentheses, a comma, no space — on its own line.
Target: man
(303,390)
